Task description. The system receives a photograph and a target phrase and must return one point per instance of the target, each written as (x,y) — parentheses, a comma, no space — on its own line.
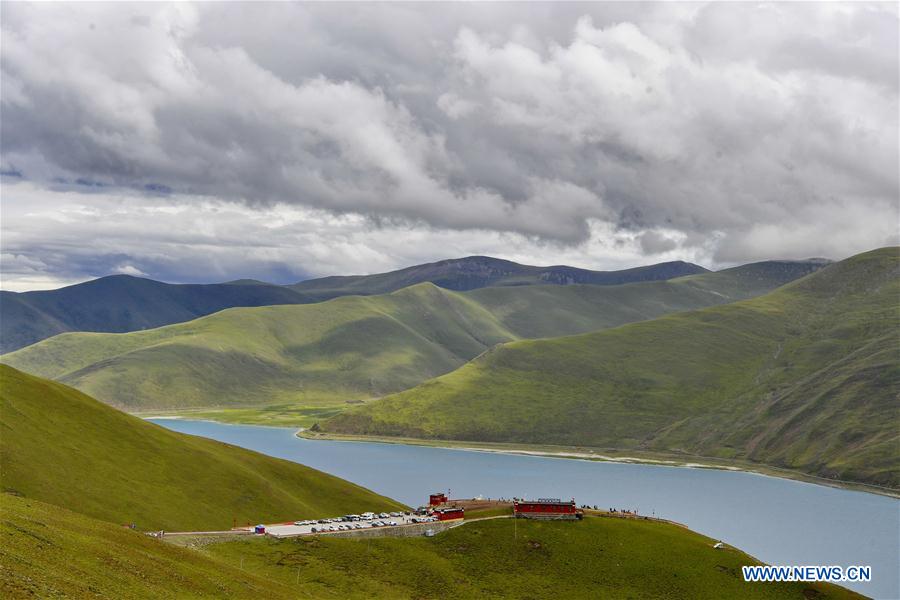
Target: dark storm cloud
(727,131)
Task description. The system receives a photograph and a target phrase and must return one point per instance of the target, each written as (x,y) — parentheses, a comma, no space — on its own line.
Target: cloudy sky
(208,142)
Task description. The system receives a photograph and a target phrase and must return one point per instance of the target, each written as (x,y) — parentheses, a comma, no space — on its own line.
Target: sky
(282,141)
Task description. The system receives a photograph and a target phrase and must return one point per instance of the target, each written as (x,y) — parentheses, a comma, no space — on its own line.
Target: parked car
(393,523)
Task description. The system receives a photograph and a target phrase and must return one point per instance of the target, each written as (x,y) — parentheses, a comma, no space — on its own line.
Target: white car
(393,523)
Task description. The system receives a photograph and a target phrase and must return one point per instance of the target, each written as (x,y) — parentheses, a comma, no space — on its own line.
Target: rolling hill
(805,377)
(62,447)
(122,303)
(358,347)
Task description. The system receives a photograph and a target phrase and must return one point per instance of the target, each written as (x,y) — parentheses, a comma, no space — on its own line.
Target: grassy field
(59,446)
(275,415)
(803,378)
(595,558)
(50,552)
(291,361)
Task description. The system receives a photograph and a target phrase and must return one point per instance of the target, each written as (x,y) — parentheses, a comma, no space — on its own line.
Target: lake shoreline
(610,455)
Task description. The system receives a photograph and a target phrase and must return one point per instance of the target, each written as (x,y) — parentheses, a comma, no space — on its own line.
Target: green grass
(59,446)
(50,552)
(595,558)
(483,513)
(276,415)
(293,359)
(802,378)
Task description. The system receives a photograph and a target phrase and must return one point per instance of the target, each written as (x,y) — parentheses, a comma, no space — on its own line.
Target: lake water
(776,520)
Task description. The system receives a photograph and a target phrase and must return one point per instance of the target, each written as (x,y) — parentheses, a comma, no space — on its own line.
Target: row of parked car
(369,516)
(362,521)
(352,526)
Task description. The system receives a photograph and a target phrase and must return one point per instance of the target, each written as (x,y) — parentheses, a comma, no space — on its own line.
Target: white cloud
(594,133)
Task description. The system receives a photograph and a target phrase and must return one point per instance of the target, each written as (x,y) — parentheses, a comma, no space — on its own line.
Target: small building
(546,508)
(449,514)
(437,499)
(259,529)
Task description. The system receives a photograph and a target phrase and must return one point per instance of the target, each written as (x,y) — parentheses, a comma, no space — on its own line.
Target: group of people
(623,511)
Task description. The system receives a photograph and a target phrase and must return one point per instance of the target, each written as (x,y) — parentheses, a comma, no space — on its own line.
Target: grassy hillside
(595,558)
(50,552)
(59,446)
(295,359)
(47,551)
(350,347)
(475,272)
(122,303)
(806,377)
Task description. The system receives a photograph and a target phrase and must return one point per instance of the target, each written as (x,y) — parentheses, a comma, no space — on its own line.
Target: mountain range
(805,377)
(360,347)
(122,303)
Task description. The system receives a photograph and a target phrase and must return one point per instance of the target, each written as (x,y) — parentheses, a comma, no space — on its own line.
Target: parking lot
(346,523)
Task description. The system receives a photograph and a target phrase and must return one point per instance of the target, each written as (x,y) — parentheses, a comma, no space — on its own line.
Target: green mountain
(805,377)
(62,447)
(474,272)
(358,347)
(122,303)
(49,552)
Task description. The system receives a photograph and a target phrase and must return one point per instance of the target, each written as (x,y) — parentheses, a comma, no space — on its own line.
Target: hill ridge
(775,379)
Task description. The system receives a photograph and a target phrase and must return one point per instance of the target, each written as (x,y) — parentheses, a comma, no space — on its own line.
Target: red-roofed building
(449,514)
(546,508)
(437,499)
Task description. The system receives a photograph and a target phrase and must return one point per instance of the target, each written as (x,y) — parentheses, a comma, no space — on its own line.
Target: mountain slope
(357,347)
(50,552)
(805,377)
(475,272)
(59,446)
(122,303)
(347,348)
